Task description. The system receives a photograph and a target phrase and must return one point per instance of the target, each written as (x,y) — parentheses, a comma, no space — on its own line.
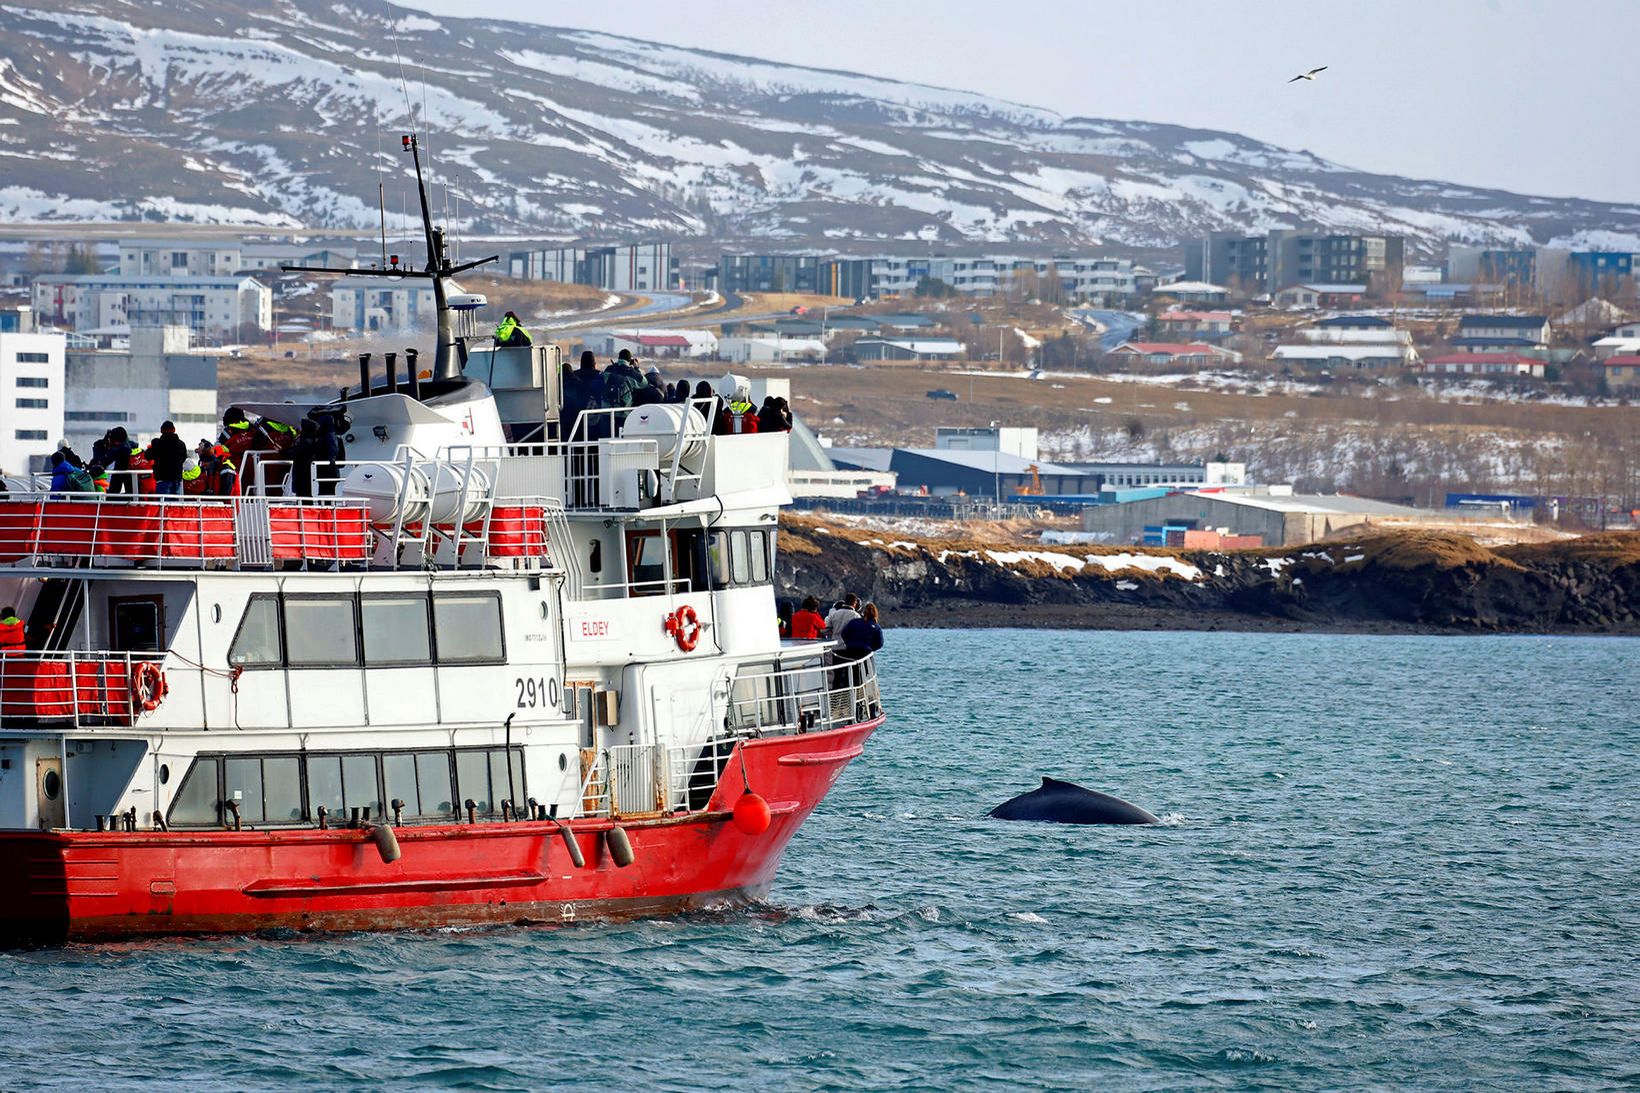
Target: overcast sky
(1537,97)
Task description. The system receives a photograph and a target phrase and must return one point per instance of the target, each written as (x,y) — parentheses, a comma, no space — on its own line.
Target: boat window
(395,630)
(282,789)
(717,558)
(760,557)
(646,559)
(325,785)
(196,801)
(751,697)
(499,772)
(468,628)
(433,782)
(320,632)
(361,785)
(256,645)
(740,566)
(473,776)
(399,772)
(242,784)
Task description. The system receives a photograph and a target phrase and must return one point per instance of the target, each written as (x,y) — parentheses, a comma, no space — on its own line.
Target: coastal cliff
(1388,581)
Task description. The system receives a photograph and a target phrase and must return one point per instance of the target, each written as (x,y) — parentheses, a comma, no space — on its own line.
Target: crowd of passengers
(848,622)
(623,385)
(121,467)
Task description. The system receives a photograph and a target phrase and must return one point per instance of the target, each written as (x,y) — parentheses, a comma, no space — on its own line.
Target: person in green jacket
(510,332)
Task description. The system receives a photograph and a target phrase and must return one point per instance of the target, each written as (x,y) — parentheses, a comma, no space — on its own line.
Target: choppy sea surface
(1392,862)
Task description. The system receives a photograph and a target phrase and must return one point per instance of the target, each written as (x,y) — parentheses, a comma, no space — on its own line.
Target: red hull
(70,885)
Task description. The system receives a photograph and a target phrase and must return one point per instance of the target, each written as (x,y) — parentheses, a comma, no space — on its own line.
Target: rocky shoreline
(1396,582)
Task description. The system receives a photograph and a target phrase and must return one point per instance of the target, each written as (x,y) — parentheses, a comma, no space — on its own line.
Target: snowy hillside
(284,112)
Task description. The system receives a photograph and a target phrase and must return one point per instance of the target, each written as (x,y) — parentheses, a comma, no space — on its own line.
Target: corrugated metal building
(1280,518)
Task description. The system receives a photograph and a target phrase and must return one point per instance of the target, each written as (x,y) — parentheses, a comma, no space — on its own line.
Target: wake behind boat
(500,674)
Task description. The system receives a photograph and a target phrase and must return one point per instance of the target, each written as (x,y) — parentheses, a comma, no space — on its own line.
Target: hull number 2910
(533,693)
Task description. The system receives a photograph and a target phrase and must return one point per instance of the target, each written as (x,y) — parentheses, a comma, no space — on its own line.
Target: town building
(909,349)
(388,304)
(1375,355)
(945,472)
(1017,440)
(1309,296)
(1190,325)
(1284,256)
(1557,273)
(1486,364)
(635,267)
(33,392)
(1185,354)
(1502,333)
(160,377)
(1622,373)
(770,348)
(223,258)
(769,273)
(1193,292)
(226,307)
(1275,514)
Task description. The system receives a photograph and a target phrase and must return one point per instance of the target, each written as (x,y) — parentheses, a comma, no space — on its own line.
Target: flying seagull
(1310,75)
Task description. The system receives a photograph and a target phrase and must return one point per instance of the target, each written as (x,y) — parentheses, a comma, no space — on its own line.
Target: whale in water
(1056,802)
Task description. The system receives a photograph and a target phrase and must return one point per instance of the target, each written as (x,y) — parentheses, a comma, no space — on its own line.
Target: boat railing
(80,689)
(267,531)
(823,692)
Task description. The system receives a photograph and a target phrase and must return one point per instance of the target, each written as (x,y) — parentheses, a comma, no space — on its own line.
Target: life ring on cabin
(148,686)
(684,626)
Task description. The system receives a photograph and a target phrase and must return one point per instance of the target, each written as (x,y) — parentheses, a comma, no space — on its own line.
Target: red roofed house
(1194,324)
(1191,355)
(1485,364)
(1622,372)
(652,345)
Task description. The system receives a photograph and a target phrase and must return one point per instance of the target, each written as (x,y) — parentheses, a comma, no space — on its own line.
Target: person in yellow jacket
(510,332)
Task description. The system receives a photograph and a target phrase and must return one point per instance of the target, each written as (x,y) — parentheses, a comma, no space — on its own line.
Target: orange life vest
(11,635)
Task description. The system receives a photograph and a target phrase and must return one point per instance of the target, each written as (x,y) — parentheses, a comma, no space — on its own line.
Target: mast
(446,363)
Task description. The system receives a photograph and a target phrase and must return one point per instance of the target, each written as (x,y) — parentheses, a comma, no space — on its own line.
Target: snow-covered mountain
(286,112)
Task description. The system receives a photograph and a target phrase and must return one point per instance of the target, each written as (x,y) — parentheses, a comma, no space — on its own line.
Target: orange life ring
(147,686)
(684,626)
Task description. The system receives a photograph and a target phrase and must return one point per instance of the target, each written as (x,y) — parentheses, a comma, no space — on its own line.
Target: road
(1120,326)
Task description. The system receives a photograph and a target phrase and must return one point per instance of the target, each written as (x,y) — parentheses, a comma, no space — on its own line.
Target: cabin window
(468,628)
(760,557)
(242,784)
(395,630)
(717,558)
(320,632)
(195,804)
(740,564)
(433,782)
(481,777)
(646,561)
(399,776)
(282,789)
(256,645)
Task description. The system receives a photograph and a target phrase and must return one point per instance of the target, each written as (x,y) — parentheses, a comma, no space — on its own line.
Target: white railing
(821,693)
(80,689)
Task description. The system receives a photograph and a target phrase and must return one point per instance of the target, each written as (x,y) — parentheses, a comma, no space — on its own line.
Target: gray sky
(1537,96)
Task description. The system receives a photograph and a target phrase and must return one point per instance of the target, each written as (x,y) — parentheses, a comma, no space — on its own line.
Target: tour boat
(499,674)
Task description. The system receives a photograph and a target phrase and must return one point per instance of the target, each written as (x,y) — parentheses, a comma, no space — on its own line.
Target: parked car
(940,392)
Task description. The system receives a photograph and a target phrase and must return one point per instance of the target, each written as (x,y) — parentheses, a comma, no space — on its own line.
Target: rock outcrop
(1393,581)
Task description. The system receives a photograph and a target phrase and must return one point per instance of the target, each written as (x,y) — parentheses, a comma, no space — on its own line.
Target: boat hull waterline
(91,886)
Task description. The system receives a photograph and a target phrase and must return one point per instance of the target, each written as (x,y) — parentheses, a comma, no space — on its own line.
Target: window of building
(468,628)
(32,358)
(395,630)
(320,632)
(33,404)
(30,434)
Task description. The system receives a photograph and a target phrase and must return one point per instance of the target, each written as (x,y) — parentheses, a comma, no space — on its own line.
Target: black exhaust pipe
(364,375)
(392,373)
(410,356)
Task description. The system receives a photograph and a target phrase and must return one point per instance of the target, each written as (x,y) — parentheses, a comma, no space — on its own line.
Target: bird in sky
(1310,75)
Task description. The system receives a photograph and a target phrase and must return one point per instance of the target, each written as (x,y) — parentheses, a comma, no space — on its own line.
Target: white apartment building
(1080,278)
(32,389)
(159,378)
(171,258)
(216,307)
(389,305)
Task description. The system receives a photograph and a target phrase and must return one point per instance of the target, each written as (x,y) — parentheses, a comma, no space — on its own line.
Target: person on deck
(651,392)
(740,414)
(168,453)
(845,612)
(510,332)
(582,389)
(862,635)
(224,477)
(622,380)
(807,624)
(307,451)
(12,631)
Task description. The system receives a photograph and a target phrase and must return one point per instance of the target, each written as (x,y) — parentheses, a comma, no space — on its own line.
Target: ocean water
(1393,862)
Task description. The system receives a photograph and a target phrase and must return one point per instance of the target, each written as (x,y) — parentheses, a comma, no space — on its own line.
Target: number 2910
(536,692)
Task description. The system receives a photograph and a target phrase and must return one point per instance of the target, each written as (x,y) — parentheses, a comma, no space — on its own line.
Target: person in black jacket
(307,451)
(168,453)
